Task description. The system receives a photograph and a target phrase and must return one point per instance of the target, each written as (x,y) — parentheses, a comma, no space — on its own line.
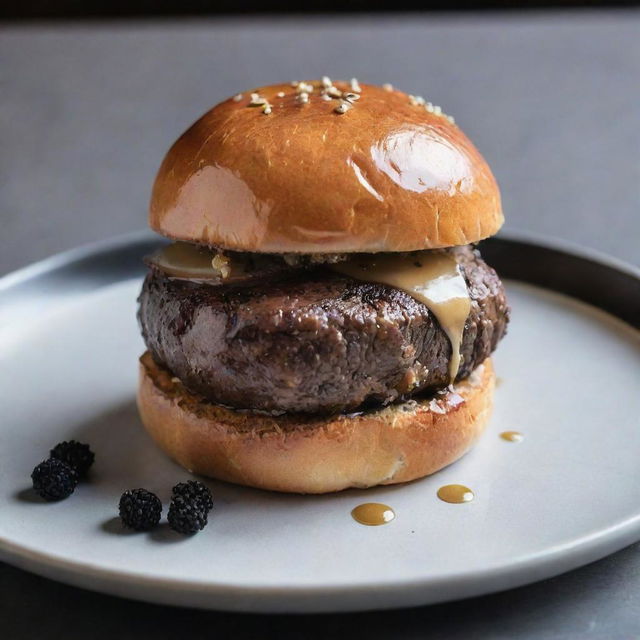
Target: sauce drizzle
(431,277)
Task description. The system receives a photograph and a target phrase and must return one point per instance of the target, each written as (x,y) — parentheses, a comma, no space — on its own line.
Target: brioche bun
(387,175)
(314,454)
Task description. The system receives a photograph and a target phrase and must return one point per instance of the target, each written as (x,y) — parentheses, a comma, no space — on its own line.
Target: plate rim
(313,599)
(267,598)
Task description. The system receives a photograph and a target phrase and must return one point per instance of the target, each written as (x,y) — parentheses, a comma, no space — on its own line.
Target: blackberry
(75,454)
(185,516)
(140,509)
(194,491)
(54,479)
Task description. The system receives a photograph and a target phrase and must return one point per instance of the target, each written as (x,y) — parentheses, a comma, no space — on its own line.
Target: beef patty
(313,340)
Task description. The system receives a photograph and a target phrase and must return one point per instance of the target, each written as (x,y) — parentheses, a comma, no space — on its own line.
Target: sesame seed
(326,81)
(387,87)
(429,107)
(326,96)
(343,107)
(280,94)
(257,100)
(355,86)
(237,97)
(303,97)
(350,97)
(266,108)
(304,87)
(334,92)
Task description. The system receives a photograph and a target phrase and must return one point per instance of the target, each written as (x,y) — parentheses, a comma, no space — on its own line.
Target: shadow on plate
(162,533)
(29,495)
(165,535)
(115,527)
(127,458)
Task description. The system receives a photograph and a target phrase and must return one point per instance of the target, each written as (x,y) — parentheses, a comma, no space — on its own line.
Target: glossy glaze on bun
(387,175)
(314,454)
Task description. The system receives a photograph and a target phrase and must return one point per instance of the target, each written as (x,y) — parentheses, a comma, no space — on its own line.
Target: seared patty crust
(312,340)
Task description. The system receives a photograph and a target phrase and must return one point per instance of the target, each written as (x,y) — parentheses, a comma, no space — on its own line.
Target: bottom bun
(314,454)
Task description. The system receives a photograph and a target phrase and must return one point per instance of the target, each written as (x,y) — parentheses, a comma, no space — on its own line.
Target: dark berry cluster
(191,502)
(194,491)
(140,509)
(76,455)
(57,477)
(54,479)
(186,516)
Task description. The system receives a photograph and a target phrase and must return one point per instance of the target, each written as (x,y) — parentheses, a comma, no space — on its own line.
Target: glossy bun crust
(311,454)
(387,175)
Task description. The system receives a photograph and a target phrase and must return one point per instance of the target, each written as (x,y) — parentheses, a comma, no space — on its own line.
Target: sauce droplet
(373,513)
(512,436)
(455,493)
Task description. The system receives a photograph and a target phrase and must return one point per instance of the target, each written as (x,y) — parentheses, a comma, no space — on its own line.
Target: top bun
(285,175)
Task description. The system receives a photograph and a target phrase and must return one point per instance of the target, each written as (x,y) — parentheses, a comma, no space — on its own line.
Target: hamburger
(322,318)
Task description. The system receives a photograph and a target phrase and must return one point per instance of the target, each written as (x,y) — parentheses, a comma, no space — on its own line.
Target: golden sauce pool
(512,436)
(373,514)
(455,493)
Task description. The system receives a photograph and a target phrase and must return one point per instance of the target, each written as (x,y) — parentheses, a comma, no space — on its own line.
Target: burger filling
(320,334)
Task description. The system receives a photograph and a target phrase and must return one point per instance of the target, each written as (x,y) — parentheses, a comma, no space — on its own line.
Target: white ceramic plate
(568,494)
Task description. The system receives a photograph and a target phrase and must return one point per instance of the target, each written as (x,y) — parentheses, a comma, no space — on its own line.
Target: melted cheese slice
(188,261)
(431,277)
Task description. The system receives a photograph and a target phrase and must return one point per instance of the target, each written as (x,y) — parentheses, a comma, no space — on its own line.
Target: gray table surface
(552,101)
